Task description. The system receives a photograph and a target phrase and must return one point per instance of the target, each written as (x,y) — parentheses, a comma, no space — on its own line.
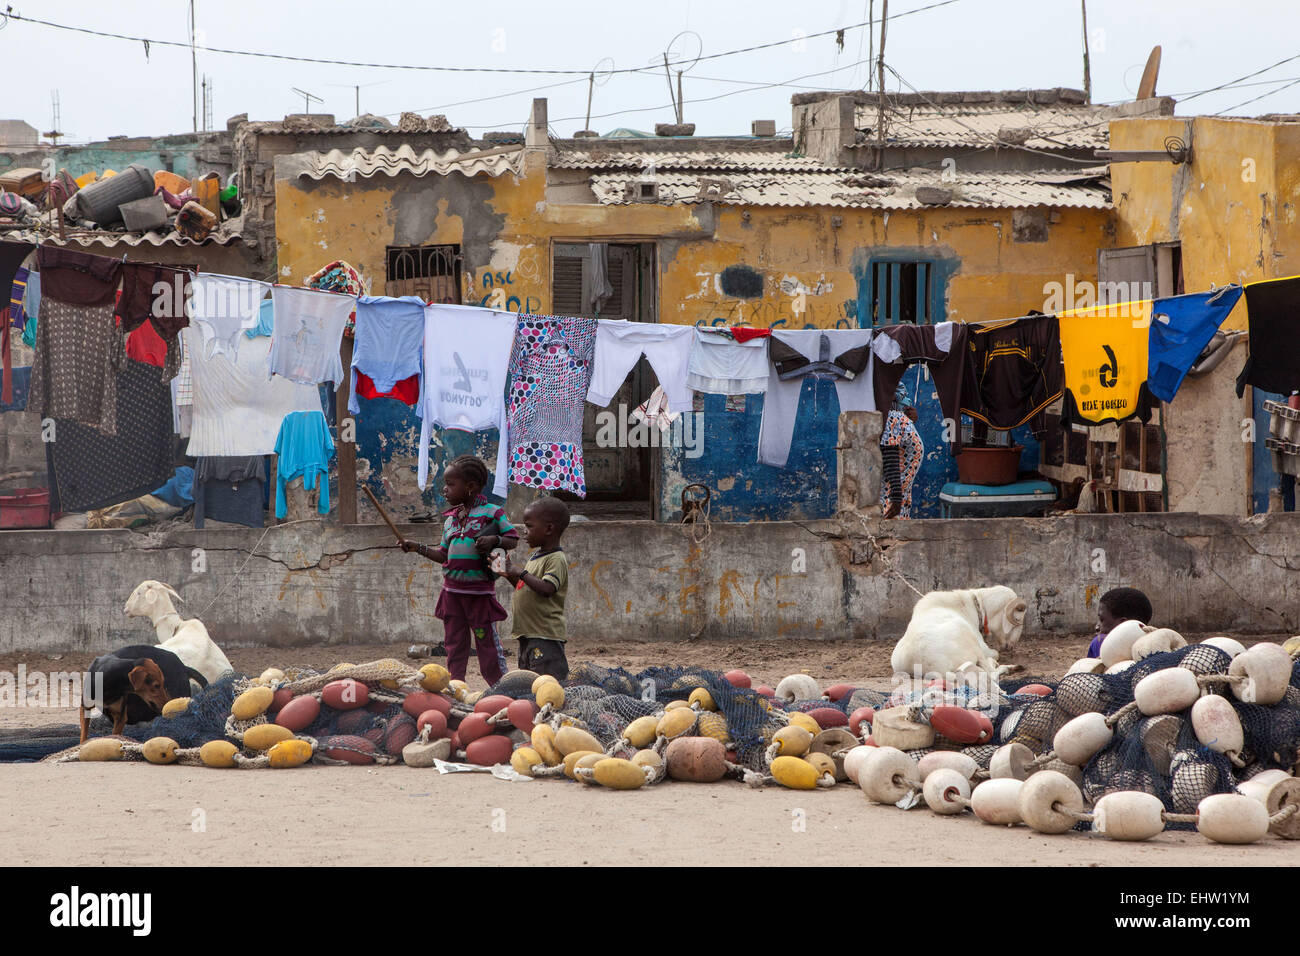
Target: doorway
(620,480)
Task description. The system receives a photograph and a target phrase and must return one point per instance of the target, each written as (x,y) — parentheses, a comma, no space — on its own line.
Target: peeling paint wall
(765,266)
(1233,209)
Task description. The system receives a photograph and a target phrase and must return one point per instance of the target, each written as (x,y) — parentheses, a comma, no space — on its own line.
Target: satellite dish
(1147,88)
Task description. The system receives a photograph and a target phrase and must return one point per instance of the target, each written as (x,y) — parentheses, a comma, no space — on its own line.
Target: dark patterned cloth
(91,470)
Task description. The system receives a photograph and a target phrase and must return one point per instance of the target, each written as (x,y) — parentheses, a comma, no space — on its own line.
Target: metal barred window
(430,272)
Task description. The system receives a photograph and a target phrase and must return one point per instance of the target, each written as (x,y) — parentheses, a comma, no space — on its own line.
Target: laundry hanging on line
(1181,328)
(1104,350)
(464,376)
(1273,314)
(388,339)
(308,332)
(843,355)
(550,374)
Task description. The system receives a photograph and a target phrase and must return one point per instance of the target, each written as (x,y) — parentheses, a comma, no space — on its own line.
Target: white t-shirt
(308,331)
(466,363)
(222,307)
(237,411)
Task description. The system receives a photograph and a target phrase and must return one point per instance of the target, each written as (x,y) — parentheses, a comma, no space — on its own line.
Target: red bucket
(25,508)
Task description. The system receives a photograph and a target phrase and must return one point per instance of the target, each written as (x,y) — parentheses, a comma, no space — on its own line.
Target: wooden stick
(382,513)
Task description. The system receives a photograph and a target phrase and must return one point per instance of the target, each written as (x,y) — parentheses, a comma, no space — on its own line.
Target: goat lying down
(188,640)
(955,631)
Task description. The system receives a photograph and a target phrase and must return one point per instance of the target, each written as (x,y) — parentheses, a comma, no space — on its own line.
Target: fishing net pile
(1158,729)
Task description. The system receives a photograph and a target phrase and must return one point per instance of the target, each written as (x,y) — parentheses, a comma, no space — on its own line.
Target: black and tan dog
(138,681)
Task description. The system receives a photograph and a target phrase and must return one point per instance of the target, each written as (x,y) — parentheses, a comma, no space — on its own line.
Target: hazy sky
(108,86)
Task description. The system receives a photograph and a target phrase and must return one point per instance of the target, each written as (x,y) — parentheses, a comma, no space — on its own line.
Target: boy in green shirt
(537,608)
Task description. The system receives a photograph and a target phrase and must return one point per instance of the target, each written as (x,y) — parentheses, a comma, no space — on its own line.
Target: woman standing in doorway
(901,450)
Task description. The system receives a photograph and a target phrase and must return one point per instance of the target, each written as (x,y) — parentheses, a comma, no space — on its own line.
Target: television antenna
(306,98)
(357,88)
(54,134)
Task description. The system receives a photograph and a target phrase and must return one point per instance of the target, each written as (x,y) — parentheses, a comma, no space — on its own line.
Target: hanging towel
(1181,327)
(222,307)
(843,355)
(723,365)
(1273,311)
(388,340)
(466,362)
(1013,372)
(236,409)
(304,447)
(620,345)
(1104,350)
(550,372)
(308,332)
(74,375)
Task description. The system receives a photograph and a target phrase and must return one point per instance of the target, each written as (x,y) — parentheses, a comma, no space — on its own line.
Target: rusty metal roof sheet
(741,160)
(364,163)
(893,190)
(1054,127)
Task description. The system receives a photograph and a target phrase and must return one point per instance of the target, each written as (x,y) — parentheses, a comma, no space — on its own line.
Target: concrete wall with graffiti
(770,267)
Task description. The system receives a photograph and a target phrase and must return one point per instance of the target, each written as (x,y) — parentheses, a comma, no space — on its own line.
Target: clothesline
(529,377)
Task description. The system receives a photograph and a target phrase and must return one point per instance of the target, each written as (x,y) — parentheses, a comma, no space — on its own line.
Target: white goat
(188,640)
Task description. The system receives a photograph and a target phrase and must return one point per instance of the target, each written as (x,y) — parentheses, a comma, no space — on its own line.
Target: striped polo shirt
(466,571)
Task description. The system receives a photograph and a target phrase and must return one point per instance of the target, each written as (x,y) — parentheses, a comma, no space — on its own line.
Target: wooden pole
(668,75)
(880,78)
(347,450)
(1087,75)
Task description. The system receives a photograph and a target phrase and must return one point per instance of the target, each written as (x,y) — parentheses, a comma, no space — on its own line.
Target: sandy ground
(137,814)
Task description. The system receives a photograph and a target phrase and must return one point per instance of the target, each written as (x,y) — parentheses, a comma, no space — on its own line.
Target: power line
(1248,76)
(9,15)
(1260,97)
(651,109)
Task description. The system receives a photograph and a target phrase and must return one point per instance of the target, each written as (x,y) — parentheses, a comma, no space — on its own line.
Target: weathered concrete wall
(314,583)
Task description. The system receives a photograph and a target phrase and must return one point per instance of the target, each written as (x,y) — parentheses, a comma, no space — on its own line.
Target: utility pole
(880,78)
(1087,75)
(194,71)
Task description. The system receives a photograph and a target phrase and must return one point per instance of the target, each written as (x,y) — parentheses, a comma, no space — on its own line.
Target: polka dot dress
(550,371)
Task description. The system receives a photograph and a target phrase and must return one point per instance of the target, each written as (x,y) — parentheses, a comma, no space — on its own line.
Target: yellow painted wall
(810,260)
(997,277)
(1233,210)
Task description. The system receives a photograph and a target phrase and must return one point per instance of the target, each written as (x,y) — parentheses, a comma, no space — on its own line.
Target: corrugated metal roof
(1039,127)
(132,239)
(741,160)
(364,163)
(865,190)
